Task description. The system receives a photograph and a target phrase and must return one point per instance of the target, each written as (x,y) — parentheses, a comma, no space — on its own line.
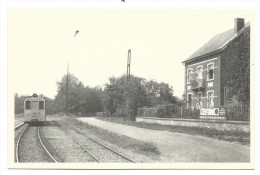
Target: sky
(41,43)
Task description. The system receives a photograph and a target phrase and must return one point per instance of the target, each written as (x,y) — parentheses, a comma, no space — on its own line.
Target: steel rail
(46,150)
(98,142)
(18,126)
(18,143)
(85,150)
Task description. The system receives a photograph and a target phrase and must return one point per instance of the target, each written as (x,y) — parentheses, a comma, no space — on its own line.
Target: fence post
(181,111)
(241,111)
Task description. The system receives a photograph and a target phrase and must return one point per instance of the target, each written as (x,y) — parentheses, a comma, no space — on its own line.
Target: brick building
(206,69)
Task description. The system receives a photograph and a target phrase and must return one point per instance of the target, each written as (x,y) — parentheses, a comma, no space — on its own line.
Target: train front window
(34,105)
(41,104)
(27,105)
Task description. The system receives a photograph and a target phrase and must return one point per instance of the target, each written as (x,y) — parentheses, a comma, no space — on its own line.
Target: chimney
(239,24)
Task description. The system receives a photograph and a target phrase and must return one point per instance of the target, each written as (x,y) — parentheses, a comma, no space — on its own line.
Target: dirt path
(177,147)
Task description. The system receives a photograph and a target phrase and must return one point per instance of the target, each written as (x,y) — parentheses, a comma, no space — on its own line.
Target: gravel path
(62,147)
(177,147)
(30,149)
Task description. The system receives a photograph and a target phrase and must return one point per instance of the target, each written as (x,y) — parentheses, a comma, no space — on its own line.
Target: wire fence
(239,113)
(103,114)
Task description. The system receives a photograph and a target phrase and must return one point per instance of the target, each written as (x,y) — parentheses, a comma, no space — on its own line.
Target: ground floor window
(210,98)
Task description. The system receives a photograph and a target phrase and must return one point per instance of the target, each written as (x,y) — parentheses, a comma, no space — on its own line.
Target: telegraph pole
(67,86)
(128,64)
(127,79)
(67,81)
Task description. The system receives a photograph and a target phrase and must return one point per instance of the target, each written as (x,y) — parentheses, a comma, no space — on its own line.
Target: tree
(122,95)
(74,92)
(135,95)
(159,93)
(18,104)
(80,98)
(114,94)
(152,92)
(238,84)
(118,90)
(166,94)
(50,106)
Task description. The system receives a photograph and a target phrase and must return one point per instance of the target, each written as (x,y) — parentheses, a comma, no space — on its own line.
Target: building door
(199,101)
(189,101)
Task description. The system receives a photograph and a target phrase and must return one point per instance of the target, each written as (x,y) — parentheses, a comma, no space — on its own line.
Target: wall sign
(209,111)
(213,113)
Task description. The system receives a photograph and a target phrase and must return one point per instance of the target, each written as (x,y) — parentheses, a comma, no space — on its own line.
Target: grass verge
(18,119)
(123,142)
(232,136)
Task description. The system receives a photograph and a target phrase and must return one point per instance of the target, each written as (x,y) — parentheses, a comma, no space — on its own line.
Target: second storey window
(210,71)
(199,72)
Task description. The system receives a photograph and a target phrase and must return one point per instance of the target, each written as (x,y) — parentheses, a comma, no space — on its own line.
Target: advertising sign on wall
(213,113)
(209,111)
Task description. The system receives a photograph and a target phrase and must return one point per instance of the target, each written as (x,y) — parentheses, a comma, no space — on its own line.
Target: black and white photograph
(131,88)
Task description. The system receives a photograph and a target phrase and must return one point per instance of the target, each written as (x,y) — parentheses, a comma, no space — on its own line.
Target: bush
(131,109)
(238,112)
(103,114)
(191,114)
(169,111)
(120,112)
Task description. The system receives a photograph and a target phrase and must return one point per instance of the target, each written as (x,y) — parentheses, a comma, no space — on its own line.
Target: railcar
(34,109)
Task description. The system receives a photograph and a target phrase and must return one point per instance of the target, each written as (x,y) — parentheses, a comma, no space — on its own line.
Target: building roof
(217,43)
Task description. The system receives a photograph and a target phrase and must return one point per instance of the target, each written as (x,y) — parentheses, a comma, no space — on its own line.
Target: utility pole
(127,79)
(67,86)
(128,64)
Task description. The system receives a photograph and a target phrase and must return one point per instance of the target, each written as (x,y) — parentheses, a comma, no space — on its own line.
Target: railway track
(44,147)
(30,148)
(64,146)
(102,151)
(80,144)
(19,126)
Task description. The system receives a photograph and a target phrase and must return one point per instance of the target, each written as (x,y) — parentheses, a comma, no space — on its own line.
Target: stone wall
(238,126)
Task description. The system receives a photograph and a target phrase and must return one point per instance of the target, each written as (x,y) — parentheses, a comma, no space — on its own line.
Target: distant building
(205,70)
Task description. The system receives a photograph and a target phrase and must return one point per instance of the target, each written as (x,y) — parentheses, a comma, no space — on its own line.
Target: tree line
(121,96)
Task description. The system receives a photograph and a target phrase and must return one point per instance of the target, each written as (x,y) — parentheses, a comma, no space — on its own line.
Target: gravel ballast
(62,147)
(30,149)
(102,153)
